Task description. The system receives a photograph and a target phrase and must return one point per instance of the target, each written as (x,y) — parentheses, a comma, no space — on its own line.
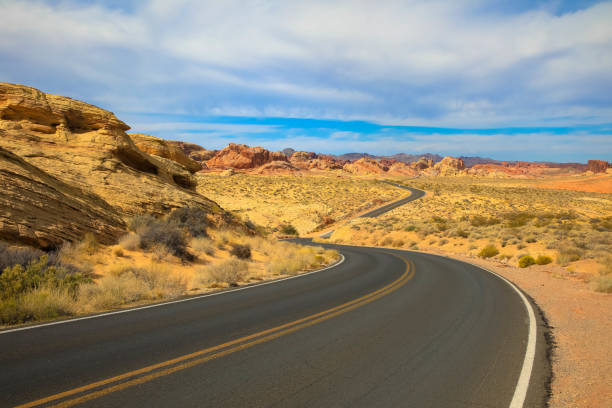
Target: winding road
(382,328)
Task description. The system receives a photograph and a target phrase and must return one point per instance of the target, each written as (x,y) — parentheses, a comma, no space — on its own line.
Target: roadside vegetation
(157,259)
(302,203)
(503,220)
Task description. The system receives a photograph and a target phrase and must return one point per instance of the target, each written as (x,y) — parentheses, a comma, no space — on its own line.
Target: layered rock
(87,147)
(38,209)
(366,166)
(449,166)
(276,167)
(162,148)
(239,156)
(598,166)
(194,151)
(312,161)
(422,164)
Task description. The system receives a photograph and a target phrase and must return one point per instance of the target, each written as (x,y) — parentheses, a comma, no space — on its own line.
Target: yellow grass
(306,202)
(465,214)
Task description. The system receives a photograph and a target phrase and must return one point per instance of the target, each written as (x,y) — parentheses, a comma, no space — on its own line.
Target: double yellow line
(132,378)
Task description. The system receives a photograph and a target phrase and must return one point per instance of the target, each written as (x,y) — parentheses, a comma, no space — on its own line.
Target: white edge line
(522,386)
(342,258)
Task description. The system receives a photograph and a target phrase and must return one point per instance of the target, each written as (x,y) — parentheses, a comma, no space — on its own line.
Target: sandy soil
(600,183)
(581,322)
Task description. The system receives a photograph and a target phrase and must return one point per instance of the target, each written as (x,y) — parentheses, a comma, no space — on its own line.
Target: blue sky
(529,80)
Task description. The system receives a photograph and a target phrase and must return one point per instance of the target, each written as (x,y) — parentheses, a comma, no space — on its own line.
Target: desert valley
(93,218)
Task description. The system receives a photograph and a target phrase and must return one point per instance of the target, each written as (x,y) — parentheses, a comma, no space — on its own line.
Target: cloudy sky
(528,80)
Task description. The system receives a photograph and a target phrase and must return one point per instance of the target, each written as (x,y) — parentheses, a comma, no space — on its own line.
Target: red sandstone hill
(240,156)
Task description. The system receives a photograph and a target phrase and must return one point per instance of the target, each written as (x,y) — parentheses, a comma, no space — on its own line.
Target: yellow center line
(255,338)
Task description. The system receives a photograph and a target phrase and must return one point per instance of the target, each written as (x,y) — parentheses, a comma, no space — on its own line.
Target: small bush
(130,242)
(602,283)
(241,251)
(543,260)
(89,244)
(17,256)
(230,271)
(488,251)
(567,255)
(138,222)
(202,244)
(289,229)
(526,261)
(168,235)
(118,252)
(192,219)
(481,221)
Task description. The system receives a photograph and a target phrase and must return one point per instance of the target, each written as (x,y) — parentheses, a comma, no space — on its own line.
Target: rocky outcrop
(39,210)
(598,166)
(313,161)
(402,169)
(449,166)
(366,166)
(239,156)
(422,164)
(276,167)
(162,148)
(87,147)
(194,151)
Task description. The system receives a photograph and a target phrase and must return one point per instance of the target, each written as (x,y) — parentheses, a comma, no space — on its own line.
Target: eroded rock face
(87,147)
(194,151)
(449,166)
(366,166)
(239,156)
(598,166)
(39,210)
(422,164)
(162,148)
(313,161)
(276,167)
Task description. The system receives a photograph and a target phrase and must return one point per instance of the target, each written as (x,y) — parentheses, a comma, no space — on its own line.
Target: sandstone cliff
(449,166)
(86,148)
(239,156)
(194,151)
(366,166)
(162,148)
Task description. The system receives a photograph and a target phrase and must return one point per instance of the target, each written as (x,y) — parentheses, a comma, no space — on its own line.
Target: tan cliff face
(85,148)
(194,151)
(162,148)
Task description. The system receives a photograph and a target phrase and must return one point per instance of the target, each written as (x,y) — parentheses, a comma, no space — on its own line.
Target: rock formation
(162,148)
(313,161)
(449,166)
(39,210)
(598,166)
(239,156)
(86,148)
(276,167)
(366,166)
(194,151)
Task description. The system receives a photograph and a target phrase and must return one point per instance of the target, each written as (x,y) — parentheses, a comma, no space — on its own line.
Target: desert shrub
(488,251)
(410,228)
(202,244)
(241,251)
(40,273)
(140,221)
(531,240)
(90,244)
(518,219)
(37,304)
(230,271)
(288,229)
(543,260)
(169,235)
(290,259)
(16,256)
(443,242)
(567,254)
(525,261)
(397,243)
(127,284)
(602,283)
(130,242)
(482,221)
(193,219)
(462,233)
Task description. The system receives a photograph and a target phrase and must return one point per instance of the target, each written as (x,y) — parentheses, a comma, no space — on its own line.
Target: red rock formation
(449,166)
(366,166)
(194,151)
(422,164)
(310,161)
(598,166)
(239,156)
(276,167)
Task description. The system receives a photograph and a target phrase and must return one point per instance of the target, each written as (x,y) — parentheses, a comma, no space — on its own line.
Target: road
(384,328)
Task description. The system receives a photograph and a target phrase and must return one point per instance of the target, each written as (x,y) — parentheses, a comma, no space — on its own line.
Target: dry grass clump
(127,284)
(130,242)
(227,273)
(290,259)
(526,261)
(203,245)
(488,251)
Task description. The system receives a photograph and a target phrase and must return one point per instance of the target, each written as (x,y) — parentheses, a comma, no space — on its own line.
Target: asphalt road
(384,328)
